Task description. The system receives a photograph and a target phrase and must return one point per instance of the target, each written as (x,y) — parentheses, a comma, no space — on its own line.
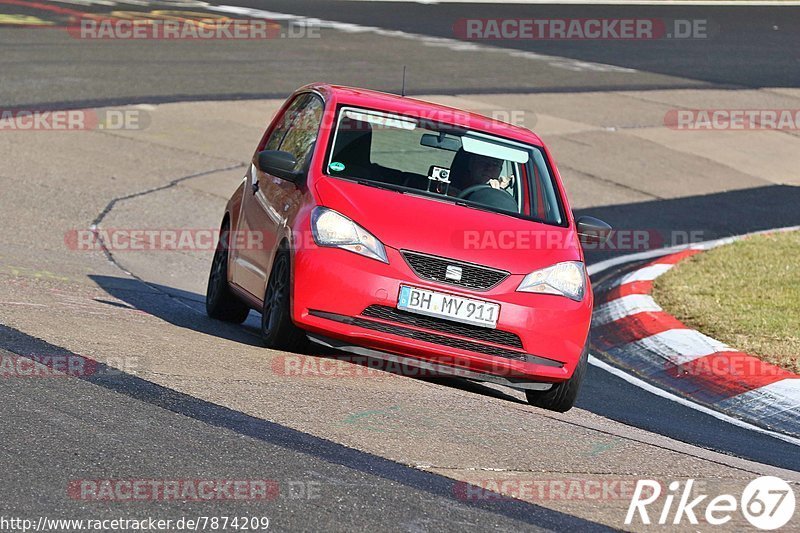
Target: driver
(481,170)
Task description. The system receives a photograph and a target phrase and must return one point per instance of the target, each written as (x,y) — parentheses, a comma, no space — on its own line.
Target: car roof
(421,108)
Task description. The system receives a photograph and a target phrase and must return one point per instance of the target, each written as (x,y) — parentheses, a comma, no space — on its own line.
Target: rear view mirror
(593,230)
(278,163)
(441,141)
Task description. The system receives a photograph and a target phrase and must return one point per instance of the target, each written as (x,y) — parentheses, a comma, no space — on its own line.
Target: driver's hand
(500,183)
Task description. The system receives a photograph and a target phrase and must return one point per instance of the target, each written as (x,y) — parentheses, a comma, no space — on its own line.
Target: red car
(411,232)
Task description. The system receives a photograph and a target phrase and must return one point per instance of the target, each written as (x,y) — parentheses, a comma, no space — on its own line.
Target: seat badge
(453,272)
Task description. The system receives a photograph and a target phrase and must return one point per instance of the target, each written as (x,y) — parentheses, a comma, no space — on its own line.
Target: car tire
(221,303)
(561,396)
(277,329)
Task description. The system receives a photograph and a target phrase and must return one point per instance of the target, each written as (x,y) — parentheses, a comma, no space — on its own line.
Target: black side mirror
(280,164)
(593,230)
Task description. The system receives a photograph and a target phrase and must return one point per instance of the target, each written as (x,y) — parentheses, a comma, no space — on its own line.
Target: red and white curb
(632,332)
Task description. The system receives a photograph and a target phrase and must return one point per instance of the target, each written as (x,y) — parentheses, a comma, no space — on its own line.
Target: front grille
(438,339)
(472,276)
(435,338)
(446,326)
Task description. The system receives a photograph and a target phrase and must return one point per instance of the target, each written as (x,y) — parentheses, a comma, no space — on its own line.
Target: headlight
(334,229)
(565,279)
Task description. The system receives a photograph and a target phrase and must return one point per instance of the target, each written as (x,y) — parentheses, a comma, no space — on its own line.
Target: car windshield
(447,162)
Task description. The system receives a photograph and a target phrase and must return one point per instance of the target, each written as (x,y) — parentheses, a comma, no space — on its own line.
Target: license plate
(451,307)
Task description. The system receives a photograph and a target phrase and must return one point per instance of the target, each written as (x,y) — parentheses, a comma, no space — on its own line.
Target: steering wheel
(474,188)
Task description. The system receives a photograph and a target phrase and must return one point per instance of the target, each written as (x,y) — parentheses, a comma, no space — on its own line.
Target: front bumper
(427,368)
(352,299)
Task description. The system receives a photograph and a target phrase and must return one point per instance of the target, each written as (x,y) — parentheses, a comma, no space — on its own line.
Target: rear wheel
(277,329)
(221,303)
(561,396)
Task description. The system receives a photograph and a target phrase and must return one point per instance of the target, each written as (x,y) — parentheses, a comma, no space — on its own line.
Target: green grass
(745,294)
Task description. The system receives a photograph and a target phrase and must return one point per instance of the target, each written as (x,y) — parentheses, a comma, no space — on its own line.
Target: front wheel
(277,329)
(221,303)
(561,396)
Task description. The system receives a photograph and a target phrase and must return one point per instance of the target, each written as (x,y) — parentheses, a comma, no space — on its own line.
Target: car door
(268,200)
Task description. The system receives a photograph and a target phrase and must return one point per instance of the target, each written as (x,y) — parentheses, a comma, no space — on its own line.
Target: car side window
(302,135)
(277,135)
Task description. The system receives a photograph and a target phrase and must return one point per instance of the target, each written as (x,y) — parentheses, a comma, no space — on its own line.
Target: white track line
(743,3)
(786,388)
(650,254)
(680,346)
(687,403)
(648,273)
(777,400)
(622,307)
(426,40)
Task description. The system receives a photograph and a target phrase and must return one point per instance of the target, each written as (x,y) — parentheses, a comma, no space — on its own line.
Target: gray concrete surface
(82,303)
(199,399)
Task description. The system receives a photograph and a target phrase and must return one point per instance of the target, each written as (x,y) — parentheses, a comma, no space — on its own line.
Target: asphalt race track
(177,396)
(746,47)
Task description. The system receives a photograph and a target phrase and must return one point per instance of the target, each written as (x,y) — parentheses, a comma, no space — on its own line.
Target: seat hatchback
(406,231)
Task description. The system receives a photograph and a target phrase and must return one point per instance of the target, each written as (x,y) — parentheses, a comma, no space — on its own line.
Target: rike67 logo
(767,503)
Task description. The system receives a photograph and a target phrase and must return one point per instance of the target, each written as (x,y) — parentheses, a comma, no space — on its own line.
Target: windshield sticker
(493,149)
(336,166)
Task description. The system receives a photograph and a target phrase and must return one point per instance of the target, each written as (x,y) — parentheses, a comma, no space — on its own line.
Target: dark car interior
(353,149)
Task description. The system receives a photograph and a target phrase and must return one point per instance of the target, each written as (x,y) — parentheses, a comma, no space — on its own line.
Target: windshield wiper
(378,185)
(427,194)
(488,209)
(474,206)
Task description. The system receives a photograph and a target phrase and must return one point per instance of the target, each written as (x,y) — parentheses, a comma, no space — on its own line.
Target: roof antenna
(403,90)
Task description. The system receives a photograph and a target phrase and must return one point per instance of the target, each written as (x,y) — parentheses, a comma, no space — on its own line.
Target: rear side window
(302,134)
(277,135)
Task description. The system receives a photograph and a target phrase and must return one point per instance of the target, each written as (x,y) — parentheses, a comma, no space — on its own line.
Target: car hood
(411,222)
